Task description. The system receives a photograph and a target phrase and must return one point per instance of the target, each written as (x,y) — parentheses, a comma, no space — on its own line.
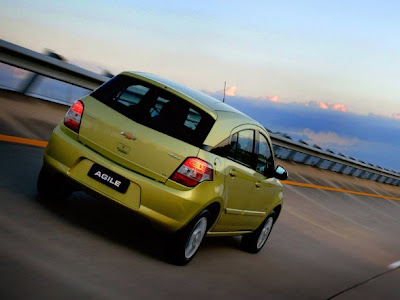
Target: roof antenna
(223,100)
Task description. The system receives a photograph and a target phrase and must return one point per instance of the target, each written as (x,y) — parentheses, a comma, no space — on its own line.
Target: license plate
(109,178)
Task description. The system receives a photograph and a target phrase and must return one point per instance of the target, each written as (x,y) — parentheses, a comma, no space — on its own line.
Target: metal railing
(48,66)
(287,149)
(284,147)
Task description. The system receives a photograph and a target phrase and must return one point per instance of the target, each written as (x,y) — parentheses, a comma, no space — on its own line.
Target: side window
(265,162)
(242,147)
(233,146)
(225,148)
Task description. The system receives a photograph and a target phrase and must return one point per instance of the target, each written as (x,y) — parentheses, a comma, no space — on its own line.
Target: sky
(328,70)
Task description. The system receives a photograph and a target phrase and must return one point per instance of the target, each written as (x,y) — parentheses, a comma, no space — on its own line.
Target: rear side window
(156,108)
(242,147)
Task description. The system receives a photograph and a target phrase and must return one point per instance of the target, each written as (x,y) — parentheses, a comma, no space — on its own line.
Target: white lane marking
(394,265)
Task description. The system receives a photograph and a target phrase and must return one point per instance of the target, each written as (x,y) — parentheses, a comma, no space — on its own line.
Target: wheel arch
(215,211)
(277,211)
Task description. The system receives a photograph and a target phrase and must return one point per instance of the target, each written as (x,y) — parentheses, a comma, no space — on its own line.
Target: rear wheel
(51,187)
(187,242)
(253,242)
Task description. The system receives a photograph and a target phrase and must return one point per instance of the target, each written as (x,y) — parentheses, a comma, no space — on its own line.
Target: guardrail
(284,147)
(288,149)
(48,66)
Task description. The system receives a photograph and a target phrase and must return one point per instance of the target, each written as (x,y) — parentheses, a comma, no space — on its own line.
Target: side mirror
(281,173)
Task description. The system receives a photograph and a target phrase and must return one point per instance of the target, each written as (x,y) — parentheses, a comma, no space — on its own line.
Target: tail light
(193,171)
(74,115)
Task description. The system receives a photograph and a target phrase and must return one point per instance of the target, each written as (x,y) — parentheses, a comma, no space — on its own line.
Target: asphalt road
(324,244)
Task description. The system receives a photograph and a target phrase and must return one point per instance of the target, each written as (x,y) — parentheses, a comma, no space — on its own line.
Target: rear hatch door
(142,127)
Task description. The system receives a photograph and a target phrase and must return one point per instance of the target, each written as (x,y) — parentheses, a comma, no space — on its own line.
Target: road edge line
(24,141)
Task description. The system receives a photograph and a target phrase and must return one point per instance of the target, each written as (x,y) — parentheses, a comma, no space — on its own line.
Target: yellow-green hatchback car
(189,163)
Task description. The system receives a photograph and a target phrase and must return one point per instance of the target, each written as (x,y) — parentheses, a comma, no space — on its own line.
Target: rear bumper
(166,207)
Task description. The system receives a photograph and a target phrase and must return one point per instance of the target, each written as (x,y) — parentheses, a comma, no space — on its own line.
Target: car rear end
(138,142)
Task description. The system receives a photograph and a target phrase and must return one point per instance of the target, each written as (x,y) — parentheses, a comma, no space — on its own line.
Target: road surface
(326,244)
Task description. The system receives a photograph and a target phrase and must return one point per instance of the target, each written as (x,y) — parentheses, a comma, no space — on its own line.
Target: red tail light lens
(74,116)
(193,171)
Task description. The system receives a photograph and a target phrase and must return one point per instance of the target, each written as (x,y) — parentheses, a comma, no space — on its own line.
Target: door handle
(232,173)
(258,185)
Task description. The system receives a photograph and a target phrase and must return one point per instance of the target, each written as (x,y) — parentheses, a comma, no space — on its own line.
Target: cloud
(327,105)
(340,107)
(395,116)
(323,105)
(269,98)
(229,91)
(326,139)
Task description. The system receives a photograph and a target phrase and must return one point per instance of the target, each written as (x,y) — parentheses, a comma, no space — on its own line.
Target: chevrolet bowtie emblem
(128,135)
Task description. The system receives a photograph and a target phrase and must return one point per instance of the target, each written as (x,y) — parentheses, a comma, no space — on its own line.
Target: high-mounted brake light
(74,116)
(192,172)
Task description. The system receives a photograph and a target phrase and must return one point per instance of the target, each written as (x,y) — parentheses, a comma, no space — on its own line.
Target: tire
(186,242)
(253,242)
(51,187)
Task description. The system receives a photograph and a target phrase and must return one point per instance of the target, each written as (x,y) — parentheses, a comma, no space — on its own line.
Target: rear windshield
(156,108)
